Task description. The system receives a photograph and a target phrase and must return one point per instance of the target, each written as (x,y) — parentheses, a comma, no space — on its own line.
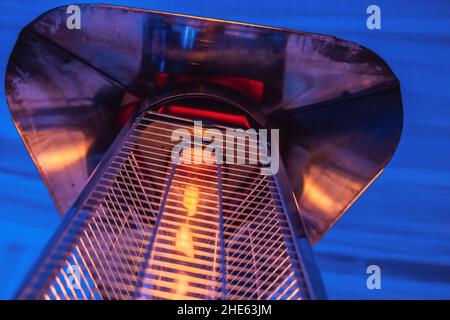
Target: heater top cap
(76,70)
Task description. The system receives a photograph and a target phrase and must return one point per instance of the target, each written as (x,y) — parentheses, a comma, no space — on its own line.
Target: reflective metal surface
(337,105)
(148,227)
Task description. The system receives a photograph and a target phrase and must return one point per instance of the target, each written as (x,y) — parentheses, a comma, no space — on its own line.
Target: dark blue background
(401,223)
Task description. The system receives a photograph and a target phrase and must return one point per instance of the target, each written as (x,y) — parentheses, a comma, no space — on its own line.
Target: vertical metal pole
(221,230)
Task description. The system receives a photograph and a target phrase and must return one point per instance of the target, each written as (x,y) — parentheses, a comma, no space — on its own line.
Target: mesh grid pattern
(153,229)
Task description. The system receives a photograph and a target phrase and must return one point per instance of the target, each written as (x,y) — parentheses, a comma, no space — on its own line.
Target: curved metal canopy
(337,104)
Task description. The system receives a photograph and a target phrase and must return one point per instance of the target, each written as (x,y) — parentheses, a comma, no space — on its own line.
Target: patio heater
(97,107)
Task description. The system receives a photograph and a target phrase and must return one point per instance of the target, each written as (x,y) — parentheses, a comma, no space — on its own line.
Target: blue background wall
(402,222)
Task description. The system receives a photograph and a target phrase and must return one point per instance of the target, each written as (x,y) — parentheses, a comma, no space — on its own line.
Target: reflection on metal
(151,228)
(337,104)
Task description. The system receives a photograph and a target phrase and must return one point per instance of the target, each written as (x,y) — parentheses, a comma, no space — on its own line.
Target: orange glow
(190,200)
(196,113)
(317,185)
(182,287)
(184,243)
(182,251)
(254,89)
(184,240)
(318,195)
(68,151)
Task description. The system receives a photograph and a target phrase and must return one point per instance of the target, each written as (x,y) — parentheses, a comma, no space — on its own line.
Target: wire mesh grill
(150,228)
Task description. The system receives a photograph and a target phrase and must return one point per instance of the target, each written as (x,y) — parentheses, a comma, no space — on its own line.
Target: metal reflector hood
(337,104)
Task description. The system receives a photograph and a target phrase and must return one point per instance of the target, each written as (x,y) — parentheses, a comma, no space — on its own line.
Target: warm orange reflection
(69,151)
(184,241)
(185,256)
(318,195)
(190,199)
(317,185)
